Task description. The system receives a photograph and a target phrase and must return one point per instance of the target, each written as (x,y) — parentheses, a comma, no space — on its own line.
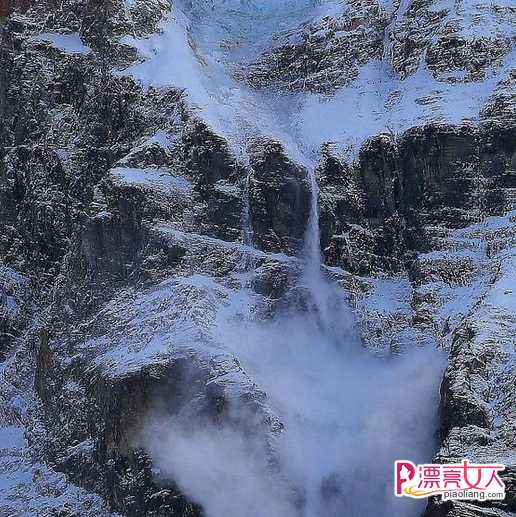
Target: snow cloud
(347,416)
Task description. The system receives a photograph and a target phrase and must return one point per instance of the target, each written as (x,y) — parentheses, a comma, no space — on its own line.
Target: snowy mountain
(252,252)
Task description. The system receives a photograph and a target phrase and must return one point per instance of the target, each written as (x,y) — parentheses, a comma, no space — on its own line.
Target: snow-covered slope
(331,71)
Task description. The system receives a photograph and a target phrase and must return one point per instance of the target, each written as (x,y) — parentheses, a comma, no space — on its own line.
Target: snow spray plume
(347,415)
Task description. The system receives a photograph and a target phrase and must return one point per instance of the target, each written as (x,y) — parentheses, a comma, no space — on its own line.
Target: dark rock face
(431,175)
(102,450)
(279,200)
(7,7)
(218,179)
(14,308)
(36,209)
(341,198)
(44,192)
(447,174)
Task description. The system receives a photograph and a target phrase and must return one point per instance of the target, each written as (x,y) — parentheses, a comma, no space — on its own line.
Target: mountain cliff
(251,252)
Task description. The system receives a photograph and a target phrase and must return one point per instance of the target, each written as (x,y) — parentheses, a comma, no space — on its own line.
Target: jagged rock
(431,175)
(463,509)
(218,178)
(7,7)
(279,199)
(14,301)
(341,202)
(324,55)
(477,399)
(439,35)
(37,210)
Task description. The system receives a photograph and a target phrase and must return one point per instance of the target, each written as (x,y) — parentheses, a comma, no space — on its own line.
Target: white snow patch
(68,43)
(202,42)
(11,437)
(161,138)
(388,296)
(377,101)
(160,179)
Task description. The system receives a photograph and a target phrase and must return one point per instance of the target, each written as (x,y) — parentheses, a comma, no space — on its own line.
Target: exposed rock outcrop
(279,199)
